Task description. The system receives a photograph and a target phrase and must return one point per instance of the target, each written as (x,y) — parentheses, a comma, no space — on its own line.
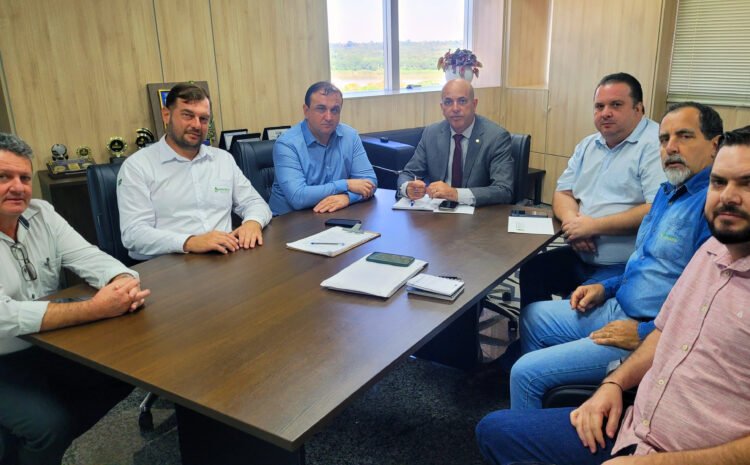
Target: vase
(450,75)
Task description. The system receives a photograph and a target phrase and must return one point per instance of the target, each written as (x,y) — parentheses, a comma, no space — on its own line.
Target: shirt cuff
(465,196)
(402,189)
(179,243)
(341,186)
(30,316)
(645,328)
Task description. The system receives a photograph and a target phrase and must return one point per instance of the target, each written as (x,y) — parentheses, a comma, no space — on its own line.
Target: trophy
(144,138)
(60,166)
(117,148)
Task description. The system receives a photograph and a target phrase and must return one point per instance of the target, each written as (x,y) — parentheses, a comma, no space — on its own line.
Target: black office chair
(499,299)
(255,159)
(574,395)
(388,154)
(102,183)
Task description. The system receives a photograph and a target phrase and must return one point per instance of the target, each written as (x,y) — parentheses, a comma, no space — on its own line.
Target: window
(710,56)
(393,44)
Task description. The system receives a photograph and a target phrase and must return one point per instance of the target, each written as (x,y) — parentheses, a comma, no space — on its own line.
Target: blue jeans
(559,271)
(546,435)
(558,351)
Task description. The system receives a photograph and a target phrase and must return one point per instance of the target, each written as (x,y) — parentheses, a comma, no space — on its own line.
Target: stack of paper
(332,241)
(372,278)
(435,286)
(430,205)
(530,225)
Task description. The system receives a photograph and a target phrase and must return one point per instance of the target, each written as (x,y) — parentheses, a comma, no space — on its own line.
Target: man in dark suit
(465,158)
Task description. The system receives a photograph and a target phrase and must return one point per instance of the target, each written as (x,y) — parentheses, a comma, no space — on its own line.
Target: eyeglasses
(19,252)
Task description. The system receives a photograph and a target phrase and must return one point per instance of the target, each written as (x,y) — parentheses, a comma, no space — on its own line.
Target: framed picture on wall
(274,132)
(157,97)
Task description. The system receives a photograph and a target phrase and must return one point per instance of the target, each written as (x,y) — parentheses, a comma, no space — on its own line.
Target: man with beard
(692,370)
(177,195)
(575,341)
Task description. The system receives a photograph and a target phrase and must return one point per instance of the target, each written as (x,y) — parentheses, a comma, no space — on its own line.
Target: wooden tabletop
(252,339)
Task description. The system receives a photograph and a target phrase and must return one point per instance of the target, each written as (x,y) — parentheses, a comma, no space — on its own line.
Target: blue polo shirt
(306,171)
(667,239)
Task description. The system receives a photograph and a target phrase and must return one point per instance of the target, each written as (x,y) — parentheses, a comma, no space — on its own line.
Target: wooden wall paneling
(76,72)
(554,166)
(487,41)
(536,160)
(6,124)
(267,54)
(663,59)
(490,104)
(591,38)
(526,113)
(527,43)
(186,47)
(734,117)
(382,113)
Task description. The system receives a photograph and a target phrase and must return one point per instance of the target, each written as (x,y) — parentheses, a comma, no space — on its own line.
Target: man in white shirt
(177,195)
(46,401)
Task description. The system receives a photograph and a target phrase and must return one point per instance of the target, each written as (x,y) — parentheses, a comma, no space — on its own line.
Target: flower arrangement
(458,61)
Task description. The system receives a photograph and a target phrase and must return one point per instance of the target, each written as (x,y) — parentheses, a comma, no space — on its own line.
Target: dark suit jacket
(488,165)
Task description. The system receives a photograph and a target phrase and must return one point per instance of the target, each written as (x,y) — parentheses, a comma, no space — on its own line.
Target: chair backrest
(390,155)
(410,136)
(520,148)
(255,159)
(102,183)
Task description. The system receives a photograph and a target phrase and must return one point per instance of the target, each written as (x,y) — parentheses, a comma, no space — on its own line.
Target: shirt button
(704,309)
(685,347)
(645,422)
(726,273)
(660,382)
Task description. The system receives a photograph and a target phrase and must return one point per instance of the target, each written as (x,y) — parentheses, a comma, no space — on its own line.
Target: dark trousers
(46,401)
(542,435)
(559,271)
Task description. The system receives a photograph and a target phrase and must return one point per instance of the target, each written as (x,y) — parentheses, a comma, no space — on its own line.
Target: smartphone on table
(447,205)
(390,259)
(343,222)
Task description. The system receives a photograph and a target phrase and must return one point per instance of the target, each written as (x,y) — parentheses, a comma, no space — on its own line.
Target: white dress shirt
(51,244)
(164,198)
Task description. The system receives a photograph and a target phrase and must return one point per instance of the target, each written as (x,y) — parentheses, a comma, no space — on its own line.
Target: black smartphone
(447,205)
(518,212)
(390,259)
(343,222)
(515,212)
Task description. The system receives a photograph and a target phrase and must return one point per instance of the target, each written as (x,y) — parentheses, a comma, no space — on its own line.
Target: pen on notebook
(326,243)
(411,202)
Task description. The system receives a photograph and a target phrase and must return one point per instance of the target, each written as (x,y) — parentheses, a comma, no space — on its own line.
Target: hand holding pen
(415,190)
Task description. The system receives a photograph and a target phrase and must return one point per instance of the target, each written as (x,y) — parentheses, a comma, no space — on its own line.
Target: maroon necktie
(457,172)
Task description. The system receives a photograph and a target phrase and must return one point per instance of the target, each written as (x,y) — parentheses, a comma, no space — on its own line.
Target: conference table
(252,341)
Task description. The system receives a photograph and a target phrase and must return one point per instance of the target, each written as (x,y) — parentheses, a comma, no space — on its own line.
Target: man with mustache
(602,195)
(177,195)
(691,371)
(320,163)
(574,341)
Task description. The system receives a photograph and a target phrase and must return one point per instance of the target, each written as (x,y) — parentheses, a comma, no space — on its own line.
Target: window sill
(383,93)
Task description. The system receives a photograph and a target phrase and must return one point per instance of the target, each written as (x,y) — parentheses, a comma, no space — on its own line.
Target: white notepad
(530,225)
(332,241)
(435,286)
(372,278)
(430,205)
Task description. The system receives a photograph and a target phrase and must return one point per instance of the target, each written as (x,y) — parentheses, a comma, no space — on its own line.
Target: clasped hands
(579,232)
(619,333)
(415,190)
(247,236)
(332,203)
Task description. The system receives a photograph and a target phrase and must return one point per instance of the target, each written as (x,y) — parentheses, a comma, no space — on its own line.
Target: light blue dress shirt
(609,181)
(306,171)
(667,239)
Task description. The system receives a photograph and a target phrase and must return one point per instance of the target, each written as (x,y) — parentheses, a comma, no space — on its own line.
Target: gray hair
(15,144)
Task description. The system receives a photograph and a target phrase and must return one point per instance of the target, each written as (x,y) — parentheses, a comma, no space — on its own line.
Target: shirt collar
(467,131)
(167,153)
(695,184)
(633,138)
(310,139)
(721,257)
(24,222)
